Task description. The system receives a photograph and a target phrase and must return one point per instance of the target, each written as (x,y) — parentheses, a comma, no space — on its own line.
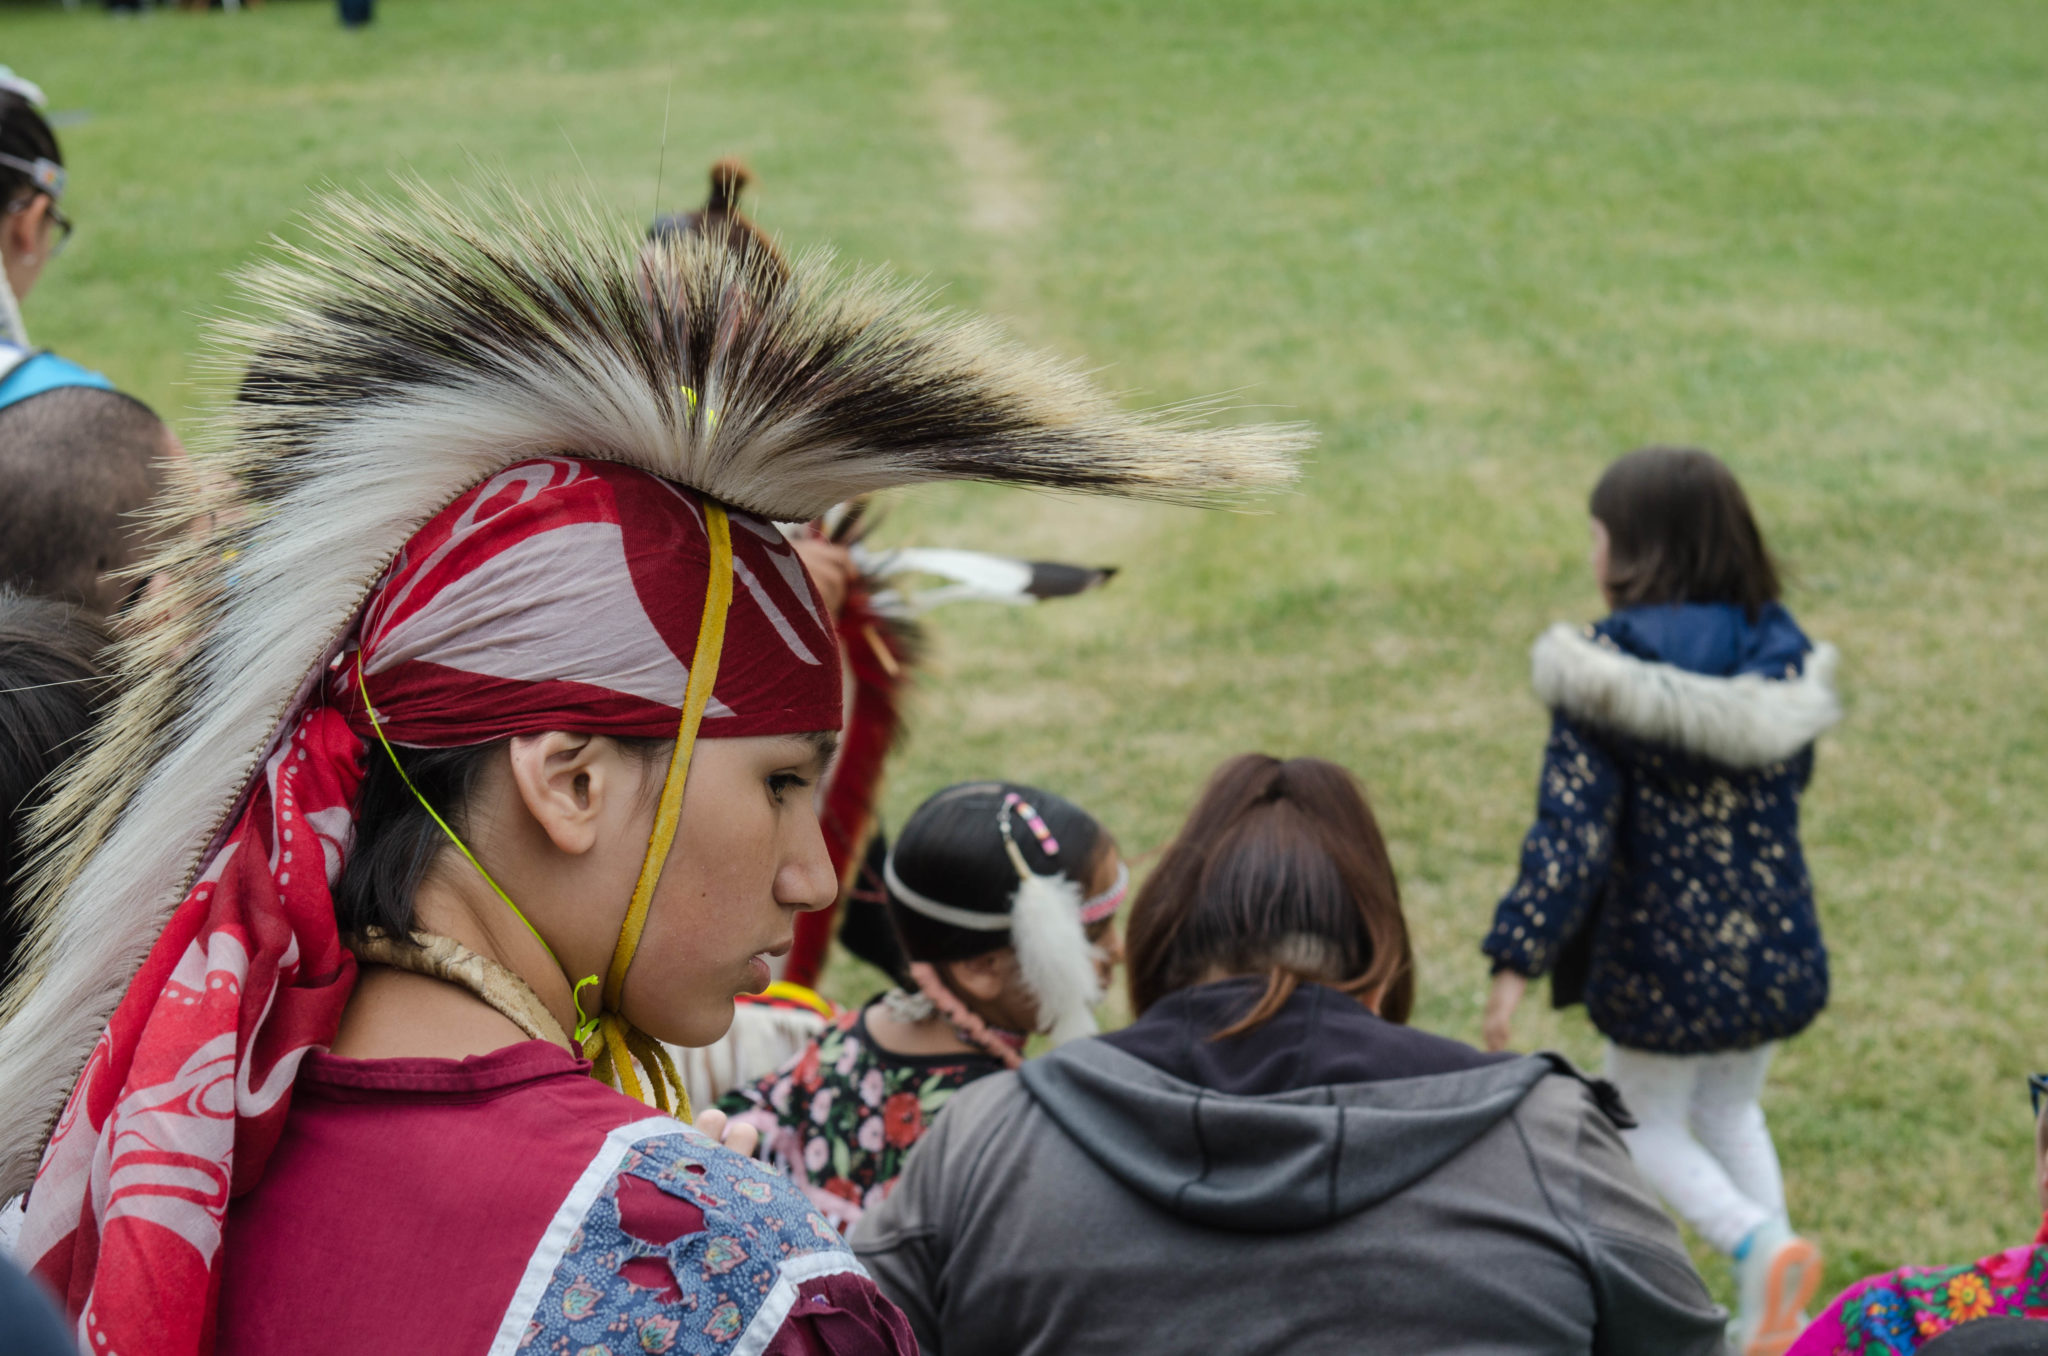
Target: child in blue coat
(1663,883)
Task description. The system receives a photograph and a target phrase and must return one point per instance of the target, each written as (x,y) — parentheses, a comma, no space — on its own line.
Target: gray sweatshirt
(1094,1202)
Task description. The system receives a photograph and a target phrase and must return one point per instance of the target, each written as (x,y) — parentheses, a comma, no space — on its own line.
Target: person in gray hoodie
(1268,1159)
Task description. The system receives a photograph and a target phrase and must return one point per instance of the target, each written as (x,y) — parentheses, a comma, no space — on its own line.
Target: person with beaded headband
(1004,901)
(472,754)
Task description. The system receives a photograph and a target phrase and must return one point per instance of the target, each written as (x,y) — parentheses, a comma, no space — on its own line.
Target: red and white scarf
(558,595)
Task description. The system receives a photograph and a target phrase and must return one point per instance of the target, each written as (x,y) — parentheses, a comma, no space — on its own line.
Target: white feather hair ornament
(1054,955)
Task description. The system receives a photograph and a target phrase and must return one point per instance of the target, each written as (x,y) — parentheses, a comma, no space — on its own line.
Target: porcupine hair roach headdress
(414,347)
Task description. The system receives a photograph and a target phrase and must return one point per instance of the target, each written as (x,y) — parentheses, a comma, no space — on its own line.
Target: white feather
(1053,953)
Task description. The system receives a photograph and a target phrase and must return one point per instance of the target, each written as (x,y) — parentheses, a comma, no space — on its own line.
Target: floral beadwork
(734,1224)
(841,1116)
(1899,1311)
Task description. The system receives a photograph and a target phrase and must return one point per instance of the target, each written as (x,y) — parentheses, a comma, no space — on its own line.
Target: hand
(741,1138)
(830,566)
(1496,1028)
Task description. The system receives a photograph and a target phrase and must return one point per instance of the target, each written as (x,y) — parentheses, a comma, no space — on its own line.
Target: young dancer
(1663,882)
(1004,898)
(474,752)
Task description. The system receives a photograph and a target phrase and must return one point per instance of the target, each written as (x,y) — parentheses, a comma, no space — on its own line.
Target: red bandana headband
(559,595)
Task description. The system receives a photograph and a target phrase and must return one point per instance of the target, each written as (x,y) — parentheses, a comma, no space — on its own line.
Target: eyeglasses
(63,225)
(54,216)
(46,176)
(2037,1088)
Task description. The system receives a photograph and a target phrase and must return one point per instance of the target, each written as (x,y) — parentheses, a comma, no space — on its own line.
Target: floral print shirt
(1901,1310)
(839,1118)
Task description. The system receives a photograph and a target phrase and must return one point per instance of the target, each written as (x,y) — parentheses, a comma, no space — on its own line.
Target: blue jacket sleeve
(1566,855)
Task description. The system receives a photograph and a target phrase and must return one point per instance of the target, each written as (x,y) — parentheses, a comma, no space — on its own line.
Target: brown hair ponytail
(1280,870)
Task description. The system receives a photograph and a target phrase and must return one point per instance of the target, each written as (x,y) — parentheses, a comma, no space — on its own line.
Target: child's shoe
(1777,1272)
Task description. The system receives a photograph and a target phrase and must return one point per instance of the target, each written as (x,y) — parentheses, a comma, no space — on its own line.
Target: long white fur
(1746,721)
(1054,955)
(308,500)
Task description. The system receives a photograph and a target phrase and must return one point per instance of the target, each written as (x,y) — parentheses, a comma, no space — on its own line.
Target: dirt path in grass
(1003,196)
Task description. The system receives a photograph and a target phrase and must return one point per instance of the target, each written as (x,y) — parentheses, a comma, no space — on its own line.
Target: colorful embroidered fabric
(841,1116)
(1902,1310)
(559,594)
(687,1249)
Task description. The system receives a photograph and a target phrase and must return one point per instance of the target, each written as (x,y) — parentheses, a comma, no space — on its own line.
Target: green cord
(585,1024)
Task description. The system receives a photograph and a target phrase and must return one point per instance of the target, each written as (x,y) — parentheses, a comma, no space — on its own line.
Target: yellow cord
(618,1042)
(377,725)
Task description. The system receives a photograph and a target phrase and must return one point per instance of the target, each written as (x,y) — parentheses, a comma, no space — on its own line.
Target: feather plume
(1053,953)
(408,349)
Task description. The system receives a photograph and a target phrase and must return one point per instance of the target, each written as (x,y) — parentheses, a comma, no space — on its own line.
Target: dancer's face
(749,856)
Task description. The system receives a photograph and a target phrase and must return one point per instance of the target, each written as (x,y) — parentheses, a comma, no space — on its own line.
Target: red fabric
(567,594)
(842,1316)
(873,720)
(186,1091)
(327,1260)
(560,594)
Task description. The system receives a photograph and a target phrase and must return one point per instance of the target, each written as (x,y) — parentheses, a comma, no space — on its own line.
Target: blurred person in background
(1663,883)
(1995,1306)
(1269,1158)
(79,465)
(52,688)
(33,228)
(32,1324)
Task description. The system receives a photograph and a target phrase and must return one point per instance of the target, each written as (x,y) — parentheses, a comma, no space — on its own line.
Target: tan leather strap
(446,959)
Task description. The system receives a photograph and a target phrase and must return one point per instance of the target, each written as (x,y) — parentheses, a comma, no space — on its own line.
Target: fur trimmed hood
(1743,721)
(414,347)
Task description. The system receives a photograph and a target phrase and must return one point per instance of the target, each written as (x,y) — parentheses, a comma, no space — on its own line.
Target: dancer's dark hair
(52,688)
(25,136)
(397,842)
(951,850)
(1280,871)
(1680,530)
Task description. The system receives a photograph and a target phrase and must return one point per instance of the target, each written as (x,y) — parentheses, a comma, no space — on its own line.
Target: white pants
(1700,1138)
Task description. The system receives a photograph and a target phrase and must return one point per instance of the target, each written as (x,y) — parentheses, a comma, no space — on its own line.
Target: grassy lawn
(1484,246)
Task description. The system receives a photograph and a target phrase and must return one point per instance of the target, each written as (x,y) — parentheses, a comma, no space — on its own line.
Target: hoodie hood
(1282,1160)
(1716,639)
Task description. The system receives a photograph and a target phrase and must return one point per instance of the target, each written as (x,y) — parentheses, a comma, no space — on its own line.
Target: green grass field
(1484,245)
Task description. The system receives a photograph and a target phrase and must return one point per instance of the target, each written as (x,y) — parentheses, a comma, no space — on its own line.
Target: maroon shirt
(509,1201)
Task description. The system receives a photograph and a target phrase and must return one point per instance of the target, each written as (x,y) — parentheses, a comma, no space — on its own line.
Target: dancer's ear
(569,783)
